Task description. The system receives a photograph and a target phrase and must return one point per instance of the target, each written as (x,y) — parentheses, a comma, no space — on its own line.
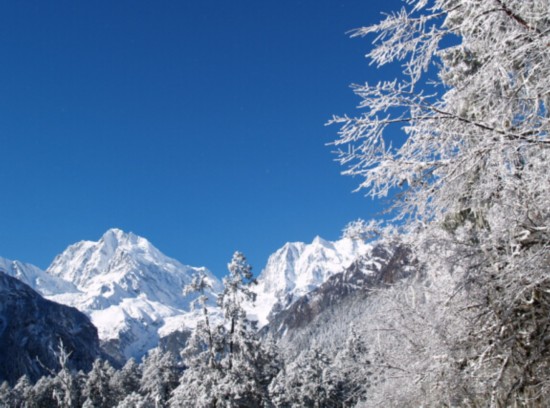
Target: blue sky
(196,124)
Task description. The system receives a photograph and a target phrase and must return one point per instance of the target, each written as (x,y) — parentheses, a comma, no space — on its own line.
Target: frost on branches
(472,180)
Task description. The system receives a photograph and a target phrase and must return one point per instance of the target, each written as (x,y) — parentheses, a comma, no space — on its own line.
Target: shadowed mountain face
(32,328)
(380,267)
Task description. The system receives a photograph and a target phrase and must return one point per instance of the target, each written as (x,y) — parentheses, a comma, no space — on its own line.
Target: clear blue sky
(196,124)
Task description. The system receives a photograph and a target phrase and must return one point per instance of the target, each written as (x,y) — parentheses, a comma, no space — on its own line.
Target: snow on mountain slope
(36,278)
(298,268)
(128,288)
(133,293)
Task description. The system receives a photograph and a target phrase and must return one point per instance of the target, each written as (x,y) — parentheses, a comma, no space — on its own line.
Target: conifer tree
(227,365)
(237,291)
(126,381)
(67,391)
(136,400)
(22,392)
(5,395)
(244,383)
(306,382)
(351,370)
(160,376)
(203,332)
(43,394)
(97,391)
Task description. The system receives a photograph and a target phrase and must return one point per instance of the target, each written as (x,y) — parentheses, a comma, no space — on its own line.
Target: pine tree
(350,371)
(202,356)
(22,392)
(44,394)
(306,382)
(160,376)
(67,391)
(227,365)
(126,381)
(203,337)
(199,386)
(136,400)
(244,383)
(236,292)
(97,391)
(6,395)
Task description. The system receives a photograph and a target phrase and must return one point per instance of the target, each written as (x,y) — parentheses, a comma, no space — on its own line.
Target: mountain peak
(128,287)
(115,233)
(87,261)
(298,268)
(36,278)
(321,242)
(116,237)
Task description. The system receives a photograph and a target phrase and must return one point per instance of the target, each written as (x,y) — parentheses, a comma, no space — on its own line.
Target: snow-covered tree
(44,394)
(127,380)
(160,376)
(471,180)
(199,386)
(97,391)
(305,382)
(351,370)
(362,230)
(235,293)
(136,400)
(227,365)
(67,391)
(5,394)
(21,392)
(204,340)
(245,359)
(202,356)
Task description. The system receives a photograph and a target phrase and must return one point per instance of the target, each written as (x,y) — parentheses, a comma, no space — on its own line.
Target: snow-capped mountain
(298,268)
(382,265)
(123,265)
(132,292)
(36,278)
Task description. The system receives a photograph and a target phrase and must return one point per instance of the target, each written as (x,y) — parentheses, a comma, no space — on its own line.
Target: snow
(115,319)
(134,293)
(129,289)
(298,268)
(36,278)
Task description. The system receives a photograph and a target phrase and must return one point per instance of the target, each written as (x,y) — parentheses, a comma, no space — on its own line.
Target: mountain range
(133,293)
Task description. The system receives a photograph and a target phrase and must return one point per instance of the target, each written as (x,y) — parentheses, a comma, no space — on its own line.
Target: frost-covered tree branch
(489,96)
(471,178)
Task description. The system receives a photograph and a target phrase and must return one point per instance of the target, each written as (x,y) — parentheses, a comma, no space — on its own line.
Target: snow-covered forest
(465,320)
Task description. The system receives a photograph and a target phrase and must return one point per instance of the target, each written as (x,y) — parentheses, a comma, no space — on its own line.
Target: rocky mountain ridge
(33,328)
(380,266)
(134,294)
(297,269)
